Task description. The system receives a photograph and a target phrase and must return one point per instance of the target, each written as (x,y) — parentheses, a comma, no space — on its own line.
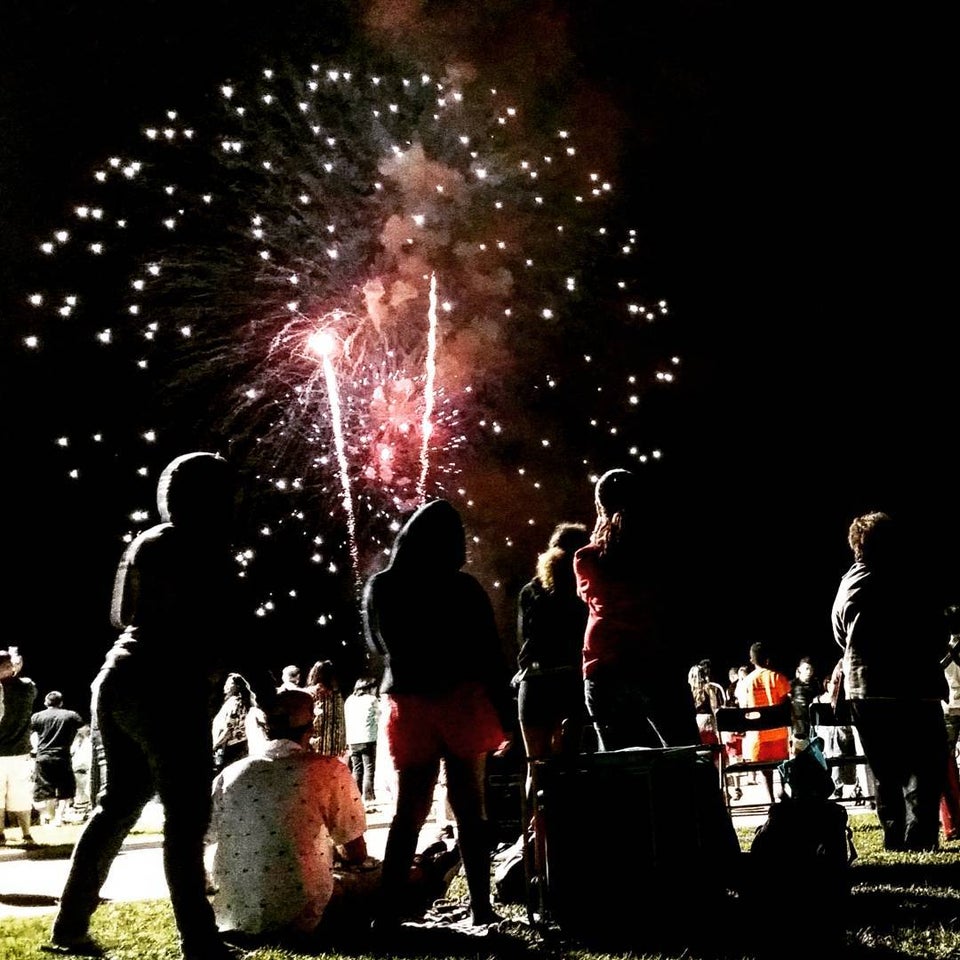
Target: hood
(432,539)
(196,490)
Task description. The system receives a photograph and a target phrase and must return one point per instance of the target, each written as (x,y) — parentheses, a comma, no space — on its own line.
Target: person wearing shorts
(17,696)
(446,695)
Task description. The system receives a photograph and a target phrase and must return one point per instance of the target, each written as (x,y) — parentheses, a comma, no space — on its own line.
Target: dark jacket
(891,633)
(18,695)
(431,623)
(550,627)
(173,586)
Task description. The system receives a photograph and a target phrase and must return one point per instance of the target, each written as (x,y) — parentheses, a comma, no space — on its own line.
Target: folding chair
(822,716)
(743,720)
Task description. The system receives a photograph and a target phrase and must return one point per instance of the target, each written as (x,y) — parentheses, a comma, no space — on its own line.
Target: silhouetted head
(365,685)
(196,490)
(618,529)
(432,540)
(11,663)
(616,491)
(758,655)
(291,674)
(873,538)
(289,715)
(53,699)
(322,674)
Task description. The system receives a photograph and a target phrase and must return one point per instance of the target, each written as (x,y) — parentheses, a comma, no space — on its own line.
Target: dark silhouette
(170,601)
(444,678)
(893,637)
(634,678)
(551,620)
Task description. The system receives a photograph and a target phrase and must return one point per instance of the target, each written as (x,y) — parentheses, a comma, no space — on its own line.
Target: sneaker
(217,951)
(82,947)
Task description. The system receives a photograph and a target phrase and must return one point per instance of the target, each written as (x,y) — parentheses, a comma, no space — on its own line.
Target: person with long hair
(230,723)
(551,620)
(446,696)
(329,729)
(634,679)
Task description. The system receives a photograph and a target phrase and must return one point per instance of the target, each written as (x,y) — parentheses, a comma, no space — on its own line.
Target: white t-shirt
(275,819)
(361,715)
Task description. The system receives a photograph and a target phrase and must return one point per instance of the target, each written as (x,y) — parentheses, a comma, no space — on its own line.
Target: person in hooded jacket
(170,597)
(446,695)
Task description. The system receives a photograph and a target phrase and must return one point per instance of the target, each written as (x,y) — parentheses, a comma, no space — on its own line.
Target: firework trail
(431,364)
(324,344)
(204,256)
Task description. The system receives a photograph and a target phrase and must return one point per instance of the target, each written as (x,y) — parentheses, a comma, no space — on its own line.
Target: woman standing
(329,729)
(444,679)
(634,682)
(551,620)
(230,723)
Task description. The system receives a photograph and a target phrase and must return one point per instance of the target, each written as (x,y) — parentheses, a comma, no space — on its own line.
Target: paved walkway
(31,880)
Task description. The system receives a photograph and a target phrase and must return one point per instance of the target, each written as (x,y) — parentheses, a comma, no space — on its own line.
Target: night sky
(783,175)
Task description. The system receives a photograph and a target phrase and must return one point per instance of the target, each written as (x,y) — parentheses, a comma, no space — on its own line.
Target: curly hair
(871,536)
(555,564)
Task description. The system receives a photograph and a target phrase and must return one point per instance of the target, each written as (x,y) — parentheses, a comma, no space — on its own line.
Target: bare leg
(23,821)
(414,796)
(465,782)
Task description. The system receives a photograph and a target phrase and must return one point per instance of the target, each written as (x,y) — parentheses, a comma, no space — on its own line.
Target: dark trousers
(903,741)
(142,747)
(628,713)
(363,766)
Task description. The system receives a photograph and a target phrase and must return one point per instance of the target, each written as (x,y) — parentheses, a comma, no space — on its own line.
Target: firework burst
(464,266)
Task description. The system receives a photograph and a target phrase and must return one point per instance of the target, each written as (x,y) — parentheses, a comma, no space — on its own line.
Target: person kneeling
(284,818)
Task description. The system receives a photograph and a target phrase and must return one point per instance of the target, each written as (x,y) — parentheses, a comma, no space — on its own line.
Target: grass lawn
(903,905)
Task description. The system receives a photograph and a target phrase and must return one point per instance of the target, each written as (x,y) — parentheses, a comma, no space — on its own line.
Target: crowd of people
(265,793)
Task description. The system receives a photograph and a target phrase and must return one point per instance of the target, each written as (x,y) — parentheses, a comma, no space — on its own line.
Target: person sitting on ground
(54,784)
(277,818)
